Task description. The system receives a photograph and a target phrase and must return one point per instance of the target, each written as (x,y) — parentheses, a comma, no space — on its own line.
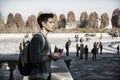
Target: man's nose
(53,24)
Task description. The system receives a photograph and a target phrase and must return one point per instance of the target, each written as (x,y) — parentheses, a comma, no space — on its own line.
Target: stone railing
(12,65)
(59,69)
(12,61)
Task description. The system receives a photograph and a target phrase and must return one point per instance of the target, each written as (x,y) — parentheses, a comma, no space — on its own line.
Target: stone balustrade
(59,68)
(11,64)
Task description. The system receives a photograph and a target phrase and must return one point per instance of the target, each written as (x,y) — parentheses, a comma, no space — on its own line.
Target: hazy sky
(28,7)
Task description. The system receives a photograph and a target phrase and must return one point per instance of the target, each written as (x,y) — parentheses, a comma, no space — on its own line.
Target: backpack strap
(43,45)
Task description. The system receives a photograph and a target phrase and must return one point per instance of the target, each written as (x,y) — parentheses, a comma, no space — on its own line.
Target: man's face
(49,25)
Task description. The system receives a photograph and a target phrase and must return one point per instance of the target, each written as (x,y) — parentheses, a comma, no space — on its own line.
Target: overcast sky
(28,7)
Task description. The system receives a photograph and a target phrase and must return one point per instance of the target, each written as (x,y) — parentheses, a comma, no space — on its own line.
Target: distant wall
(54,35)
(73,34)
(13,35)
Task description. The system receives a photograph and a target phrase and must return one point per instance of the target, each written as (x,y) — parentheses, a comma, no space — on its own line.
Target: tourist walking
(81,50)
(86,52)
(77,50)
(76,38)
(97,47)
(24,43)
(118,49)
(20,47)
(101,47)
(67,46)
(94,51)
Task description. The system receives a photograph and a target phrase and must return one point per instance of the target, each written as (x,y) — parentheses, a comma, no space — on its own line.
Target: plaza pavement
(106,67)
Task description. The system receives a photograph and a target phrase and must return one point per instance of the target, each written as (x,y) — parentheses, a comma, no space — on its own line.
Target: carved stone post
(12,66)
(67,61)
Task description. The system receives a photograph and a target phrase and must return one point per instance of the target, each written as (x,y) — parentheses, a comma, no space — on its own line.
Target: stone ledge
(59,68)
(60,71)
(61,35)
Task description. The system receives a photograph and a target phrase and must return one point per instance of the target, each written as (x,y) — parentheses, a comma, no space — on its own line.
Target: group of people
(114,34)
(82,50)
(86,37)
(95,50)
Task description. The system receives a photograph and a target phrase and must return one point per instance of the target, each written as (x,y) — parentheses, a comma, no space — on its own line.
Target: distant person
(67,46)
(86,52)
(86,35)
(76,38)
(95,44)
(81,40)
(24,43)
(20,47)
(27,41)
(81,50)
(101,47)
(0,66)
(94,51)
(118,49)
(77,50)
(97,47)
(27,35)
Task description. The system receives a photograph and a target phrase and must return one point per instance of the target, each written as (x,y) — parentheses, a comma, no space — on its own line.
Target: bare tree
(31,24)
(93,20)
(62,21)
(84,20)
(116,18)
(10,20)
(104,20)
(11,25)
(39,13)
(71,18)
(55,18)
(2,24)
(19,22)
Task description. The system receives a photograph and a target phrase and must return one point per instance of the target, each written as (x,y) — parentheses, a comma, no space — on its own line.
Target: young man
(40,54)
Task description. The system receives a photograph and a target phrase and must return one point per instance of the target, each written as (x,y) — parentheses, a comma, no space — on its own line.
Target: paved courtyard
(106,67)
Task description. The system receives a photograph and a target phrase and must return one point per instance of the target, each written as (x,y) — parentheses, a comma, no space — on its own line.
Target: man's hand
(55,55)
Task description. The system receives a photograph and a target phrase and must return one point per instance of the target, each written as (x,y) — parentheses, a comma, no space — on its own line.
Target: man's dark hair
(44,18)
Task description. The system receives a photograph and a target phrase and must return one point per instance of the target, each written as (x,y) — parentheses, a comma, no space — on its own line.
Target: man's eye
(51,22)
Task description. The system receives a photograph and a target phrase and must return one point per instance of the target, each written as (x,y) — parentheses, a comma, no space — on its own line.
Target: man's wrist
(50,56)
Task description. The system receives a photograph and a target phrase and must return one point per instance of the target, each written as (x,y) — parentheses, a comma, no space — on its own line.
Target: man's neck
(44,32)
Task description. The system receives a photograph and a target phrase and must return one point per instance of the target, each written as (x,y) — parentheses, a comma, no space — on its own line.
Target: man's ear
(43,23)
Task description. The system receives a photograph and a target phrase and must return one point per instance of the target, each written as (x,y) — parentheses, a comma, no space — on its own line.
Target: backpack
(24,65)
(92,51)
